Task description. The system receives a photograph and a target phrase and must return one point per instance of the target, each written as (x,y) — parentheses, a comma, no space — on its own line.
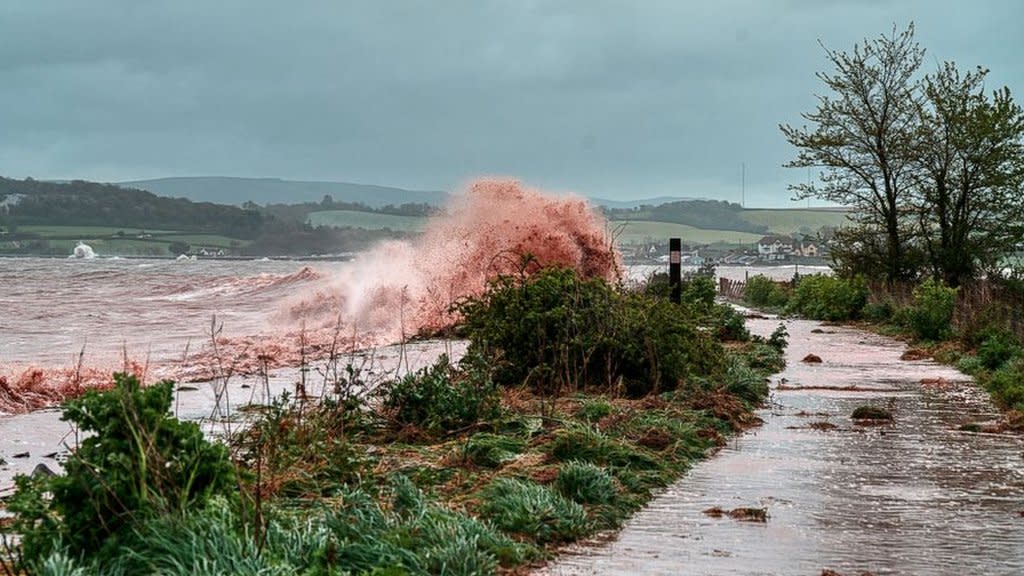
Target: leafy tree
(970,155)
(861,136)
(178,247)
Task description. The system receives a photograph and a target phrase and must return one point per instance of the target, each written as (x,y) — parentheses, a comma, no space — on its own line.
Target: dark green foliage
(970,365)
(442,397)
(881,311)
(585,483)
(699,292)
(709,214)
(492,450)
(556,332)
(729,324)
(777,339)
(763,292)
(821,297)
(1006,384)
(178,247)
(139,463)
(997,349)
(931,316)
(531,510)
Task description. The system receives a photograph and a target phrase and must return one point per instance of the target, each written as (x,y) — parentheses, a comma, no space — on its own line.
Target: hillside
(705,214)
(80,203)
(785,221)
(49,218)
(226,190)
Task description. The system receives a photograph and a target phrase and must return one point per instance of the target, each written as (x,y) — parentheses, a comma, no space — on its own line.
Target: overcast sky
(617,99)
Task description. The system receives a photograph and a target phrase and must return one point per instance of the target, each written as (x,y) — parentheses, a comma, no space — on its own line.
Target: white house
(775,247)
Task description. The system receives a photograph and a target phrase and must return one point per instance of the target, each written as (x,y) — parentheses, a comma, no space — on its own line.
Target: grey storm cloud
(620,99)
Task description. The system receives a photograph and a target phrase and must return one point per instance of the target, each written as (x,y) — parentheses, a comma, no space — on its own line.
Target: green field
(106,241)
(367,220)
(84,232)
(786,221)
(643,231)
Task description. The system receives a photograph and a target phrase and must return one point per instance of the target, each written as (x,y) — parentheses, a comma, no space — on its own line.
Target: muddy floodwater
(916,496)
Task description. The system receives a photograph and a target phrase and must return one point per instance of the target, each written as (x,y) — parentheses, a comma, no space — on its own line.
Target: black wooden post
(675,260)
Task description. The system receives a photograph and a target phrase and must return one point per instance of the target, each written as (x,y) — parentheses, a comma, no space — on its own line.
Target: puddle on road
(915,496)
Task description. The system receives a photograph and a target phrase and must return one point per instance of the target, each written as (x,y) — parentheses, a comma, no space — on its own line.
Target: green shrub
(728,324)
(585,483)
(137,463)
(534,511)
(821,297)
(881,311)
(699,292)
(970,365)
(997,349)
(931,315)
(556,332)
(441,398)
(1007,385)
(764,292)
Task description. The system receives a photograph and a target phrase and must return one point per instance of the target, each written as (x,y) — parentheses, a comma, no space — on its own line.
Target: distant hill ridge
(238,190)
(231,190)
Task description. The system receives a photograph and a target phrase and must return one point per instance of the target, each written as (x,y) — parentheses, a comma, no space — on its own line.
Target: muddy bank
(912,496)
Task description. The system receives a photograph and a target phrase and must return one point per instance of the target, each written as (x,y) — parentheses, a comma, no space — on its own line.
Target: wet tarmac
(911,496)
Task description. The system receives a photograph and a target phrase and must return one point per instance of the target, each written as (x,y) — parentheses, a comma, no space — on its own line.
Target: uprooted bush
(137,463)
(557,332)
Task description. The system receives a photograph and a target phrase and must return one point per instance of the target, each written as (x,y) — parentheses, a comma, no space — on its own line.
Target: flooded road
(915,496)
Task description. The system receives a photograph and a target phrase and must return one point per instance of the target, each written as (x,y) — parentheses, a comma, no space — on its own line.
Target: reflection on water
(916,496)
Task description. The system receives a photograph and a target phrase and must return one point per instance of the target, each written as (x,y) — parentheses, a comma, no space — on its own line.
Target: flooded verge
(41,437)
(912,496)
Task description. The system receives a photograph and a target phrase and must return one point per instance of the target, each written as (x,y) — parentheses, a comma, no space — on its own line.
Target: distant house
(775,247)
(809,250)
